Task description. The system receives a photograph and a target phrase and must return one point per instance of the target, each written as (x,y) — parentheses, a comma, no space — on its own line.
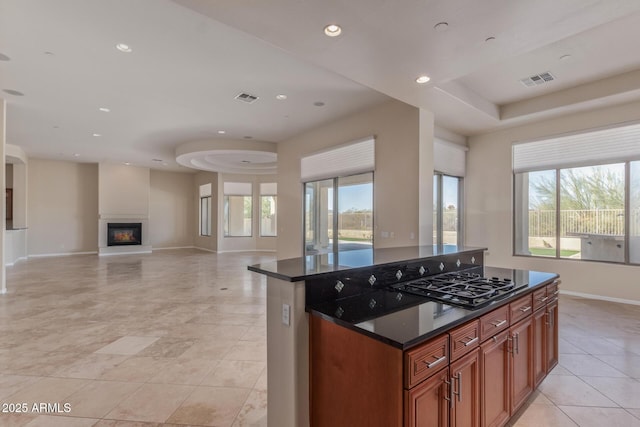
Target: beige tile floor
(178,338)
(173,338)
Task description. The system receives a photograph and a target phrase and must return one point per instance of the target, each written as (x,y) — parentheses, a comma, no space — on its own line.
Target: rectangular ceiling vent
(245,97)
(537,79)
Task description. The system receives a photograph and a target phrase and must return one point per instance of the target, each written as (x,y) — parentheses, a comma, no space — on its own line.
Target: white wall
(489,216)
(62,200)
(123,190)
(403,179)
(171,209)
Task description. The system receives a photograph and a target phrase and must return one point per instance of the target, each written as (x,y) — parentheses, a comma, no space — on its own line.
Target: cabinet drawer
(540,298)
(521,308)
(552,291)
(426,360)
(464,339)
(494,322)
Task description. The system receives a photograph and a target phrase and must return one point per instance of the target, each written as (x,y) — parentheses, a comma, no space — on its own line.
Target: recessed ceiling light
(319,104)
(281,97)
(97,134)
(165,164)
(489,39)
(4,57)
(332,30)
(222,132)
(423,79)
(127,164)
(124,48)
(76,155)
(13,92)
(441,26)
(565,57)
(104,109)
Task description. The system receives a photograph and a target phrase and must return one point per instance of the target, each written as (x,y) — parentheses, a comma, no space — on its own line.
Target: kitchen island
(363,338)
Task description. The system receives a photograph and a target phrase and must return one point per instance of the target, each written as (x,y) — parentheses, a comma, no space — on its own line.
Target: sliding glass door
(338,214)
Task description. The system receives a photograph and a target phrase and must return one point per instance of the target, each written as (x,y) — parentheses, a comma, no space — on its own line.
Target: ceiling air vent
(245,97)
(538,79)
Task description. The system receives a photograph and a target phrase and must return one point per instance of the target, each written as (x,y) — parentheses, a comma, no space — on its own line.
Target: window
(447,204)
(577,196)
(268,209)
(449,160)
(347,227)
(237,209)
(205,210)
(338,197)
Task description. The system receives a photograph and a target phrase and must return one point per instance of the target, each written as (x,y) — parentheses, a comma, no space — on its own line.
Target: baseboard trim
(62,254)
(17,260)
(600,297)
(174,247)
(205,249)
(246,250)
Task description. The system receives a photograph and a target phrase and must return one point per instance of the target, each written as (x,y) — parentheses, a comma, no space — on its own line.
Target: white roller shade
(237,189)
(600,146)
(205,190)
(349,159)
(268,189)
(449,158)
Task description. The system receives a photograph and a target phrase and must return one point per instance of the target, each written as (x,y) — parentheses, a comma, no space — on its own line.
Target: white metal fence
(596,221)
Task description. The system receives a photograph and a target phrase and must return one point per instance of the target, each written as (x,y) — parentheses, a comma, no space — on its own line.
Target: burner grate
(468,290)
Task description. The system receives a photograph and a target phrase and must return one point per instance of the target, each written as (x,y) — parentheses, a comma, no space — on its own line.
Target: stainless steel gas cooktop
(468,290)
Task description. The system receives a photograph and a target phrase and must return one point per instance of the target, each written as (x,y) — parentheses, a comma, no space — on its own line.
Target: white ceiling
(191,57)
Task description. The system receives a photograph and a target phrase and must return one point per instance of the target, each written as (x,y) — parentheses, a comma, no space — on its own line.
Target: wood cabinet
(552,335)
(494,380)
(521,369)
(465,396)
(427,405)
(477,374)
(451,397)
(539,346)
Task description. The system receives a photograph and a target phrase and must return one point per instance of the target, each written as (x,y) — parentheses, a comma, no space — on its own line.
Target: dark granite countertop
(404,320)
(314,266)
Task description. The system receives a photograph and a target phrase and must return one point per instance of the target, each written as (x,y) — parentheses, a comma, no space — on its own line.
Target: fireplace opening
(119,234)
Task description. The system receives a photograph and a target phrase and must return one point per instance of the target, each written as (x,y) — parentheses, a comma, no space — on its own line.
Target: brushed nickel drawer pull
(556,292)
(517,337)
(435,362)
(498,323)
(471,341)
(458,378)
(525,309)
(450,398)
(543,299)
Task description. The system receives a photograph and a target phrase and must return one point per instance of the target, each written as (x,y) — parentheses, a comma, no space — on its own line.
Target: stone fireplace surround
(103,249)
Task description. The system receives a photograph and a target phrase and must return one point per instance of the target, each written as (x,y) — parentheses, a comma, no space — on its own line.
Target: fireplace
(124,234)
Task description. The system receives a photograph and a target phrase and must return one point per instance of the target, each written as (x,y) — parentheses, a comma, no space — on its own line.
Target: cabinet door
(465,380)
(552,335)
(522,363)
(428,402)
(494,381)
(539,346)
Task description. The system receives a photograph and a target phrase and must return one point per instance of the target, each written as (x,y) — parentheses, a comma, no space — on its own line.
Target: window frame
(558,232)
(335,203)
(207,203)
(275,202)
(438,220)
